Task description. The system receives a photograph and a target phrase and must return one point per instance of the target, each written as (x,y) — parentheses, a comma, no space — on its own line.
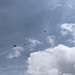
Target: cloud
(57,5)
(70,41)
(16,52)
(67,74)
(51,39)
(71,4)
(33,43)
(68,29)
(64,33)
(51,61)
(39,64)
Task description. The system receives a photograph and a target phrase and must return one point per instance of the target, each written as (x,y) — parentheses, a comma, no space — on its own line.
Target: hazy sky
(23,22)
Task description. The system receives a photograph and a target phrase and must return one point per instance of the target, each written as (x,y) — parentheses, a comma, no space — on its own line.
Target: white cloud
(48,62)
(67,74)
(16,52)
(64,33)
(33,43)
(51,39)
(39,64)
(68,28)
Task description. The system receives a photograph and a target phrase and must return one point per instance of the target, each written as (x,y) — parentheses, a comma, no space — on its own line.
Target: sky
(44,34)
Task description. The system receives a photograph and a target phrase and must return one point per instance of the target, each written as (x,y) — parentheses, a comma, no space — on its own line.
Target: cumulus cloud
(51,61)
(16,52)
(68,28)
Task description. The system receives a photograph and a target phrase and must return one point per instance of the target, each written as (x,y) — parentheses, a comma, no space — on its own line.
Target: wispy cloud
(50,40)
(33,43)
(16,52)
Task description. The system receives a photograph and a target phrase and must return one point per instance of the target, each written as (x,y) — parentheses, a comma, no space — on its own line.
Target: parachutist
(45,31)
(24,44)
(14,45)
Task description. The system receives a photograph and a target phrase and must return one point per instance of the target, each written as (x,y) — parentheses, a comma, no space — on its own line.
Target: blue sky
(44,53)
